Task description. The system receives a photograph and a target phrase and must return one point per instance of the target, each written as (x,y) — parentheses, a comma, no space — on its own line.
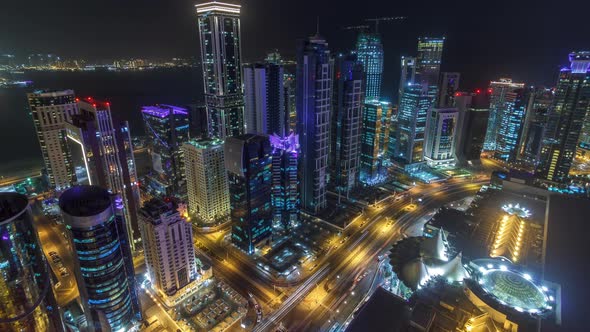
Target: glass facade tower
(510,120)
(498,105)
(411,124)
(221,53)
(264,94)
(285,191)
(102,257)
(374,140)
(27,302)
(370,54)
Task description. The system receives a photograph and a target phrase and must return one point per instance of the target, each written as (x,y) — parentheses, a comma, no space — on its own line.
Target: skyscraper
(448,86)
(509,121)
(314,100)
(285,191)
(370,54)
(374,140)
(428,60)
(219,32)
(570,106)
(498,104)
(103,265)
(440,138)
(248,163)
(473,111)
(206,178)
(167,127)
(264,95)
(408,75)
(51,110)
(168,249)
(345,134)
(27,301)
(104,147)
(539,103)
(411,123)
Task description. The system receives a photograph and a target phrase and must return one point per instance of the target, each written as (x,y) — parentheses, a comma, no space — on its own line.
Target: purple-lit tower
(284,194)
(167,127)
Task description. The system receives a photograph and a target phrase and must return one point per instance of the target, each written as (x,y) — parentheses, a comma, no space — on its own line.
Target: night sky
(527,40)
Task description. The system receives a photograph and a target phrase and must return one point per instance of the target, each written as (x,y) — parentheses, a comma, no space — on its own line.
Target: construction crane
(379,19)
(356,27)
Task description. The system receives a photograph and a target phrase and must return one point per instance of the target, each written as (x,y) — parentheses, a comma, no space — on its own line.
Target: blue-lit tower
(103,264)
(411,124)
(374,140)
(370,54)
(167,127)
(314,100)
(510,120)
(248,160)
(499,90)
(285,191)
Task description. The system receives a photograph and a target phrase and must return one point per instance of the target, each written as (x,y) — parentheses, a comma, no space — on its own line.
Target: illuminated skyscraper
(540,101)
(167,127)
(411,123)
(570,107)
(345,146)
(473,111)
(440,138)
(221,53)
(27,302)
(370,53)
(248,163)
(206,179)
(498,104)
(103,264)
(50,111)
(285,191)
(428,63)
(102,147)
(509,122)
(448,86)
(314,100)
(168,249)
(408,74)
(374,140)
(264,96)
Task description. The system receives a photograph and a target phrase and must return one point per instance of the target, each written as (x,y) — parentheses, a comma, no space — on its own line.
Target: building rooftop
(383,312)
(11,205)
(163,111)
(205,143)
(85,201)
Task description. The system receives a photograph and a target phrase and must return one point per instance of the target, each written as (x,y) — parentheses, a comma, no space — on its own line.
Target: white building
(206,178)
(264,99)
(441,128)
(169,251)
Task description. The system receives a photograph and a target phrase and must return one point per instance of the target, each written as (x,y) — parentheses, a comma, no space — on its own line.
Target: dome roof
(514,289)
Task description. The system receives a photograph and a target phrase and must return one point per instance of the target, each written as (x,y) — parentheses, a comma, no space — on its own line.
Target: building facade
(168,249)
(440,138)
(221,52)
(448,87)
(539,103)
(50,111)
(26,294)
(509,122)
(369,50)
(264,95)
(248,163)
(499,90)
(314,101)
(374,140)
(103,264)
(411,123)
(570,107)
(408,74)
(346,125)
(428,60)
(285,191)
(167,127)
(207,186)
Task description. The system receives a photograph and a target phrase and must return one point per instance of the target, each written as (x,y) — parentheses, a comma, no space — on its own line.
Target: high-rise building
(285,191)
(103,264)
(51,110)
(539,103)
(290,101)
(198,123)
(428,60)
(206,179)
(167,127)
(473,109)
(314,100)
(221,52)
(498,104)
(440,138)
(27,300)
(102,147)
(448,86)
(509,121)
(264,96)
(411,123)
(248,162)
(374,140)
(345,143)
(168,249)
(570,106)
(408,74)
(370,54)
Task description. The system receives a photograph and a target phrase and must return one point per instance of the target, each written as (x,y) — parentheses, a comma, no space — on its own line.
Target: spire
(454,270)
(435,247)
